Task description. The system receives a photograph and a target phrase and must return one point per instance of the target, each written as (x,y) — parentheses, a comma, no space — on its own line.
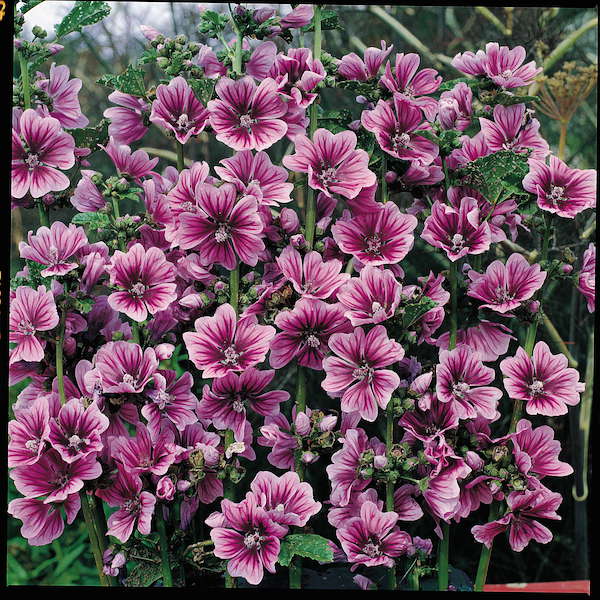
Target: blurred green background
(437,33)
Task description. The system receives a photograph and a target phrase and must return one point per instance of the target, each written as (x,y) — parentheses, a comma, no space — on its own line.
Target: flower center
(372,549)
(362,372)
(32,445)
(557,194)
(183,122)
(246,121)
(400,141)
(238,405)
(537,387)
(253,539)
(222,233)
(312,340)
(230,356)
(507,74)
(280,508)
(25,327)
(373,244)
(327,176)
(460,388)
(137,289)
(377,308)
(129,379)
(53,254)
(32,161)
(188,206)
(62,479)
(458,242)
(132,505)
(503,295)
(162,399)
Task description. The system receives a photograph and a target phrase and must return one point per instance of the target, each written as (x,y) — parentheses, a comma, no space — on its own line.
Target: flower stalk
(95,540)
(164,548)
(389,484)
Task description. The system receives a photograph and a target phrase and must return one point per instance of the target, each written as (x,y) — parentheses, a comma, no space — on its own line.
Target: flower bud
(302,424)
(380,462)
(309,457)
(390,176)
(164,351)
(534,307)
(165,488)
(328,423)
(183,485)
(566,269)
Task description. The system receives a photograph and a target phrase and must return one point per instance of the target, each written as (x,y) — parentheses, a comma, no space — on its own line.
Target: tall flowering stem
(96,539)
(389,485)
(179,150)
(60,375)
(164,548)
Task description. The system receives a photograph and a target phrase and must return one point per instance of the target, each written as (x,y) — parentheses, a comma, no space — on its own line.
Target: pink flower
(147,281)
(311,277)
(521,519)
(339,515)
(222,229)
(586,282)
(39,149)
(470,63)
(489,340)
(457,231)
(505,287)
(246,116)
(222,344)
(207,60)
(456,107)
(176,108)
(305,332)
(354,68)
(357,372)
(332,162)
(370,298)
(505,66)
(411,84)
(471,149)
(373,538)
(126,119)
(461,378)
(512,130)
(255,175)
(298,17)
(543,381)
(54,247)
(54,478)
(87,197)
(249,539)
(28,433)
(536,451)
(43,522)
(30,311)
(133,164)
(286,500)
(227,403)
(63,95)
(442,494)
(135,507)
(124,368)
(395,128)
(75,432)
(379,237)
(559,189)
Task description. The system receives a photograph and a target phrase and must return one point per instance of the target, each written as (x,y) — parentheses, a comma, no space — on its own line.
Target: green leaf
(507,99)
(308,545)
(329,21)
(413,312)
(428,134)
(496,176)
(203,88)
(83,13)
(94,220)
(131,81)
(448,85)
(27,5)
(90,137)
(144,574)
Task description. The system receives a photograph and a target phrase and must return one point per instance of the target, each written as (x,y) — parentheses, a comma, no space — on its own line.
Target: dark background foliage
(109,46)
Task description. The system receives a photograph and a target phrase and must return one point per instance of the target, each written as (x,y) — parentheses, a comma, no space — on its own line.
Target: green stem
(60,374)
(25,80)
(164,548)
(453,305)
(179,151)
(94,541)
(237,59)
(389,485)
(444,548)
(562,142)
(43,212)
(229,493)
(384,188)
(486,553)
(234,287)
(413,577)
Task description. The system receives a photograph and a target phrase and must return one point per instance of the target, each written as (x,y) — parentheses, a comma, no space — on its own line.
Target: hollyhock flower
(126,119)
(76,430)
(536,451)
(54,247)
(405,506)
(277,434)
(470,63)
(130,164)
(43,522)
(442,493)
(489,340)
(339,515)
(124,368)
(505,66)
(230,397)
(411,84)
(457,231)
(223,229)
(249,541)
(147,281)
(430,423)
(28,433)
(586,282)
(311,277)
(177,109)
(332,162)
(354,68)
(142,454)
(221,343)
(376,238)
(456,107)
(373,538)
(171,399)
(521,519)
(255,175)
(462,378)
(87,197)
(40,148)
(135,507)
(247,116)
(207,60)
(298,17)
(357,372)
(286,500)
(559,189)
(471,149)
(543,381)
(418,174)
(52,477)
(347,472)
(395,126)
(512,130)
(504,287)
(261,60)
(305,333)
(63,95)
(30,311)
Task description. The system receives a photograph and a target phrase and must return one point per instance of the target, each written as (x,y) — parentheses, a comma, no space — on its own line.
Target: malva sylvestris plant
(157,329)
